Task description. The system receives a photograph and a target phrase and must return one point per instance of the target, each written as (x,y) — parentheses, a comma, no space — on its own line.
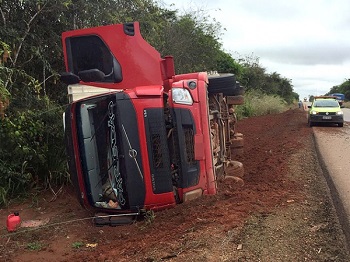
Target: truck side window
(90,52)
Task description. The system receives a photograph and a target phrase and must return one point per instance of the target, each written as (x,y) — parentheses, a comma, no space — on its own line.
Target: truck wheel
(310,123)
(237,151)
(238,134)
(226,84)
(235,168)
(237,142)
(340,124)
(239,182)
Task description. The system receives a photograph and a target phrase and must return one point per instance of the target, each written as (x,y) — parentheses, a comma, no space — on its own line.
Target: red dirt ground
(176,234)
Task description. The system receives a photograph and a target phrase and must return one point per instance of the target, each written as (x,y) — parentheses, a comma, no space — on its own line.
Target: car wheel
(226,84)
(310,123)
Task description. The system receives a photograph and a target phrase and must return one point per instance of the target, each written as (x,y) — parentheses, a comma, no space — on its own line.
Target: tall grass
(257,104)
(346,104)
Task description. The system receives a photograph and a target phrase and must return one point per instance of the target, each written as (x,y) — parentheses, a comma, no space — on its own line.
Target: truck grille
(157,151)
(188,132)
(159,162)
(184,133)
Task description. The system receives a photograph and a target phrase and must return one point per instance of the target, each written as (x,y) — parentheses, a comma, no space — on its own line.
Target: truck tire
(225,84)
(237,142)
(237,151)
(237,181)
(238,135)
(235,168)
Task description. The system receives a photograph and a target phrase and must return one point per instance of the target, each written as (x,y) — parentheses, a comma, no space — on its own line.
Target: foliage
(343,88)
(34,246)
(258,103)
(193,41)
(149,218)
(37,153)
(346,104)
(226,64)
(255,77)
(77,245)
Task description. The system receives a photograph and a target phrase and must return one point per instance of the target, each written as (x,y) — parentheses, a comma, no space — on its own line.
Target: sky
(307,41)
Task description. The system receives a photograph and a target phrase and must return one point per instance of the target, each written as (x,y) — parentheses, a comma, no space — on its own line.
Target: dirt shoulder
(283,212)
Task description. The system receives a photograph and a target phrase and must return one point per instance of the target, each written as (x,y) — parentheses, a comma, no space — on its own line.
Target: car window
(90,52)
(326,103)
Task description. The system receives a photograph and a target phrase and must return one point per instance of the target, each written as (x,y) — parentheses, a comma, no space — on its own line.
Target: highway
(333,146)
(346,114)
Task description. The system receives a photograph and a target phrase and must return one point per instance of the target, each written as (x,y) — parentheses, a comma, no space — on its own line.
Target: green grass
(77,245)
(346,104)
(34,246)
(258,104)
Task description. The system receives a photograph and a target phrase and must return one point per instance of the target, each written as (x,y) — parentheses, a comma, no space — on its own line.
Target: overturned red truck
(138,136)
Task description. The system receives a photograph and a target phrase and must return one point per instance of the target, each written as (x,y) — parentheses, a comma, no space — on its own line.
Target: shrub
(31,151)
(257,104)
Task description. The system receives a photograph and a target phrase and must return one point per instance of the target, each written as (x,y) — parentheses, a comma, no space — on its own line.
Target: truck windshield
(98,137)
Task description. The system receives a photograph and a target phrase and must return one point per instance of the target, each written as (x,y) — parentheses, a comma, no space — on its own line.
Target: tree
(225,63)
(253,74)
(343,88)
(193,43)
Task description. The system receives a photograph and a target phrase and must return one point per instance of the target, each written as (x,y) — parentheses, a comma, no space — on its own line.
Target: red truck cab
(144,142)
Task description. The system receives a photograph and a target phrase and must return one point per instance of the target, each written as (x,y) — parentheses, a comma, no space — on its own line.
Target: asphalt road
(346,114)
(334,154)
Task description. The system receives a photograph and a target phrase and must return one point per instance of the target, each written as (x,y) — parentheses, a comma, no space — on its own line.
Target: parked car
(325,109)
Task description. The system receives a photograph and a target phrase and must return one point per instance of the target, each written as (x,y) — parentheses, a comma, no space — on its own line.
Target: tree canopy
(343,88)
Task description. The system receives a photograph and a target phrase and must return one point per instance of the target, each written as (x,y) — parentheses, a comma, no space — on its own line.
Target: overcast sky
(307,41)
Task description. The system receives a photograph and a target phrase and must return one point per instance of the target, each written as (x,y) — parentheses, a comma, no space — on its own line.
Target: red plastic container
(13,222)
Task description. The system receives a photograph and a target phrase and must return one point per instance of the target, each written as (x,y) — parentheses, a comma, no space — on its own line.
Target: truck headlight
(340,113)
(181,96)
(313,112)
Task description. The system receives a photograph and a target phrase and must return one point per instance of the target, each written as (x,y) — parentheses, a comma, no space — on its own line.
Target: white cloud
(306,41)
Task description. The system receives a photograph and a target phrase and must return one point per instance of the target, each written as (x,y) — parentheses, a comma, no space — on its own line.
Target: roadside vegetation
(343,88)
(258,103)
(346,104)
(32,99)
